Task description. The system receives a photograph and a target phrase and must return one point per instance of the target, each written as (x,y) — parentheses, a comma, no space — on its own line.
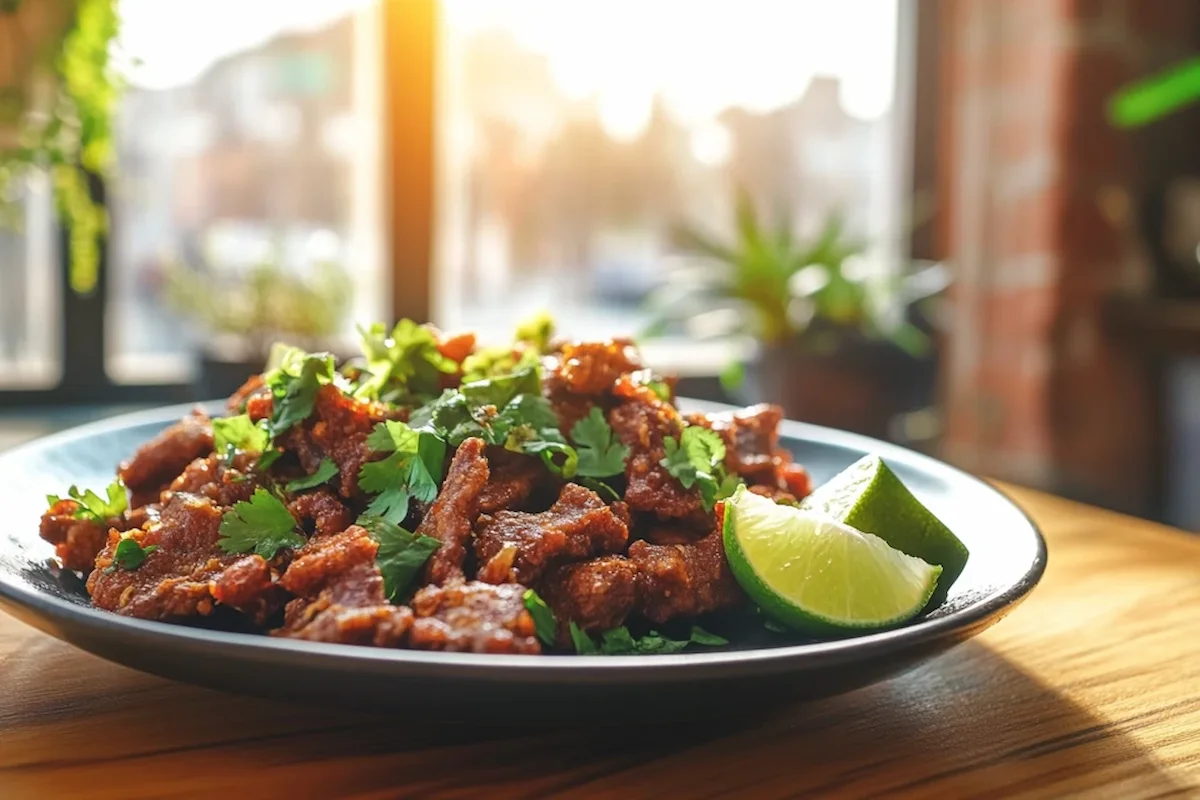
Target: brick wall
(1038,195)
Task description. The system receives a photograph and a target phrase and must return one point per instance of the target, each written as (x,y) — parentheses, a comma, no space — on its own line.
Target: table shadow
(966,724)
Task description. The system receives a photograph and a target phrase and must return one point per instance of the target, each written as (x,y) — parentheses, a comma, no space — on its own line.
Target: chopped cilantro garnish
(239,433)
(492,361)
(543,617)
(325,470)
(130,555)
(509,411)
(601,454)
(696,459)
(294,385)
(260,525)
(403,364)
(94,507)
(536,331)
(620,642)
(400,556)
(412,469)
(584,645)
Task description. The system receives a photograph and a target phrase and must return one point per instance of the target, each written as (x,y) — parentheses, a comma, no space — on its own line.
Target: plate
(1008,556)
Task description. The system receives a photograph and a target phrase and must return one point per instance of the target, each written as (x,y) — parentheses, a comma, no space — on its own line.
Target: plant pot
(857,386)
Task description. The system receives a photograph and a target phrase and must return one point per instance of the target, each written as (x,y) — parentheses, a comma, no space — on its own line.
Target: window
(576,137)
(250,135)
(29,292)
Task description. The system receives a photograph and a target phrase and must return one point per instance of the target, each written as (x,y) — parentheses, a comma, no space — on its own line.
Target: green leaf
(239,433)
(619,642)
(584,645)
(94,507)
(294,386)
(601,453)
(402,364)
(325,470)
(502,390)
(129,555)
(543,617)
(705,449)
(677,464)
(401,554)
(261,525)
(413,469)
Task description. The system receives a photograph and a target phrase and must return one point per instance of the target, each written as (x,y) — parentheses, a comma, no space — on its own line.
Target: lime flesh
(869,497)
(817,575)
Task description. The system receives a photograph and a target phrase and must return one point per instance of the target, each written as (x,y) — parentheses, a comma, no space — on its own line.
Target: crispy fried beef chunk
(178,579)
(596,595)
(670,534)
(321,512)
(579,525)
(340,431)
(254,386)
(217,479)
(683,580)
(642,421)
(473,618)
(453,514)
(752,448)
(591,368)
(341,593)
(160,460)
(513,480)
(76,541)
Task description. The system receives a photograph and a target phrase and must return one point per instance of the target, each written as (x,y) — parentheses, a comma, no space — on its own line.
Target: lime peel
(820,576)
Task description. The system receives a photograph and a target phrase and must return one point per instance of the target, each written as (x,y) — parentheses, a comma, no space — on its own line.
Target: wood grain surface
(1091,688)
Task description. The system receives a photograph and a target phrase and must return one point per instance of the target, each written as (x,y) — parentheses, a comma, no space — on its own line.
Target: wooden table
(1092,687)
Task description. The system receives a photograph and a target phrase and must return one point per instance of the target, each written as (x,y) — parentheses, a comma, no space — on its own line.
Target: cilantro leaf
(325,470)
(697,459)
(543,617)
(94,507)
(502,390)
(261,525)
(601,454)
(584,645)
(400,556)
(413,468)
(402,364)
(239,433)
(619,641)
(294,386)
(129,554)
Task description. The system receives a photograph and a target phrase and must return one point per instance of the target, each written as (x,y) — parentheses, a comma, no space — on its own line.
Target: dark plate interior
(1008,557)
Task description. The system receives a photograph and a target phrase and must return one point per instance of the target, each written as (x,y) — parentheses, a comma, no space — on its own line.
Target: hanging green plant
(57,92)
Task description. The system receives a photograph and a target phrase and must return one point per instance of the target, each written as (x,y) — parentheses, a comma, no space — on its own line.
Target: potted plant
(241,313)
(57,90)
(832,344)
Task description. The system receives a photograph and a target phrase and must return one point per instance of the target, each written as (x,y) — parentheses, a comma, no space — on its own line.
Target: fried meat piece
(591,368)
(321,513)
(513,479)
(752,448)
(341,594)
(642,421)
(160,460)
(596,595)
(340,431)
(215,478)
(453,514)
(683,580)
(76,541)
(254,386)
(473,618)
(177,579)
(671,534)
(579,525)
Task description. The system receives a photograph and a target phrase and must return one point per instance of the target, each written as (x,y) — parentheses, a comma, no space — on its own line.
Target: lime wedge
(868,496)
(817,575)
